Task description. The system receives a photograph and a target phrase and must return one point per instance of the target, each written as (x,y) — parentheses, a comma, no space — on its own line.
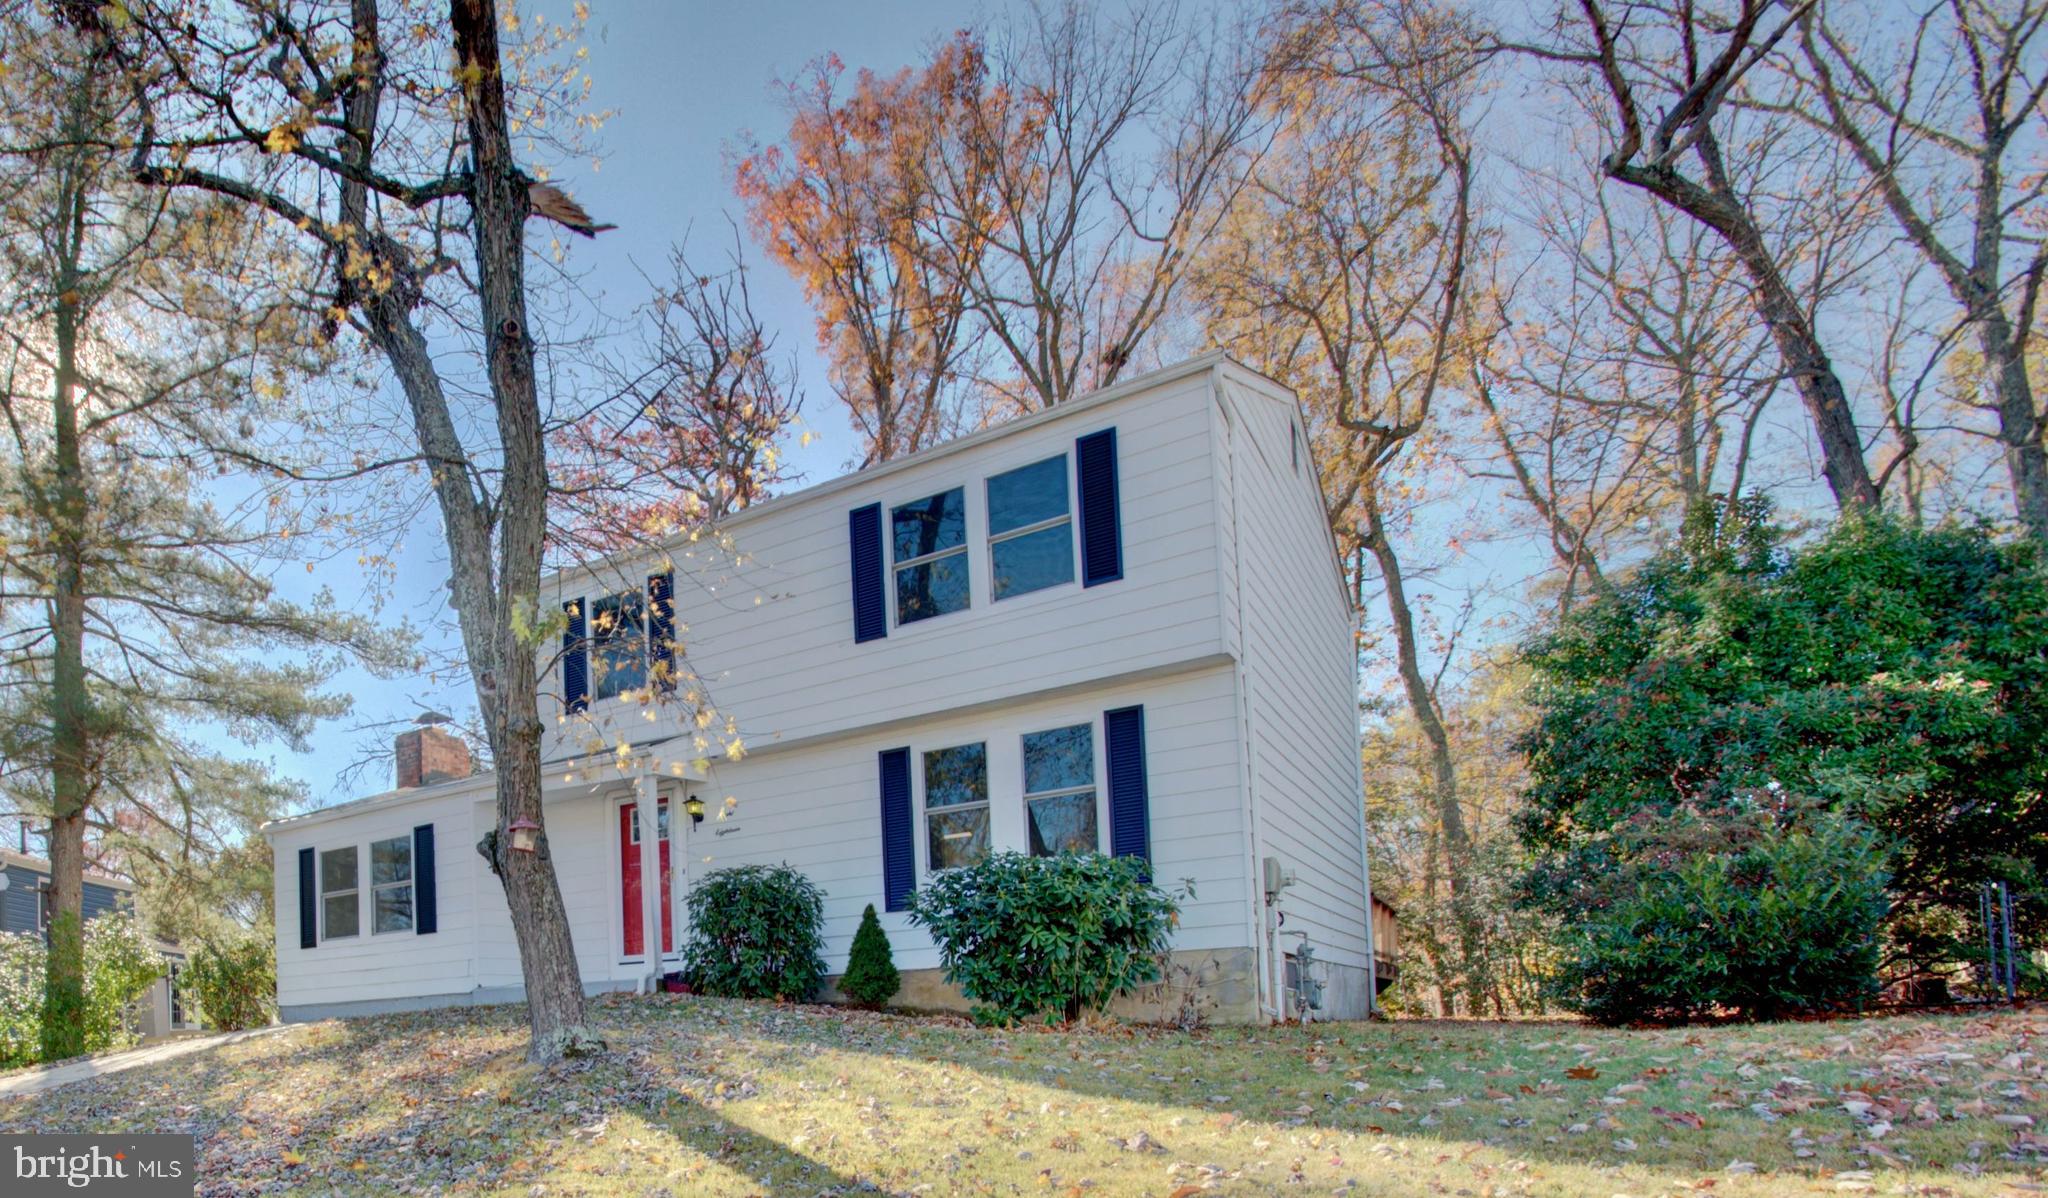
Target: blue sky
(685,79)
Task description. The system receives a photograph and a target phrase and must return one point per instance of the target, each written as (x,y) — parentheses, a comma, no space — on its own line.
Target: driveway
(36,1081)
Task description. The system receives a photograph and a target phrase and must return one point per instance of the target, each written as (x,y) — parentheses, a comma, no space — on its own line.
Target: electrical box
(1277,879)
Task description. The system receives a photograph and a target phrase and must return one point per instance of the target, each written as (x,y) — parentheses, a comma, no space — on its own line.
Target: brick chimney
(429,755)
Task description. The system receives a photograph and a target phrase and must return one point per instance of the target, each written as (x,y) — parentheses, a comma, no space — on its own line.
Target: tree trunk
(502,660)
(63,1028)
(1977,286)
(1812,373)
(2019,425)
(1457,843)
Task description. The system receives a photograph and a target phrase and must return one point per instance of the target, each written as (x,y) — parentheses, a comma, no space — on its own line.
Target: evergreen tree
(140,356)
(1894,674)
(871,978)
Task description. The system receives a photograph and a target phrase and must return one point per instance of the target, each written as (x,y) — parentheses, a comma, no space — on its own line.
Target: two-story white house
(1117,625)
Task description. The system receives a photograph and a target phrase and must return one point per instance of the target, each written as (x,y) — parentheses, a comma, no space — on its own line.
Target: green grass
(704,1097)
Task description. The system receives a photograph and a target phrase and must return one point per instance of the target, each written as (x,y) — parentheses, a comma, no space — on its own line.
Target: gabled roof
(481,781)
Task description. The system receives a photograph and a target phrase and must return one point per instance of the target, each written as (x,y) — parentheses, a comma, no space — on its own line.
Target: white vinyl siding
(1300,676)
(817,807)
(1229,627)
(395,965)
(773,631)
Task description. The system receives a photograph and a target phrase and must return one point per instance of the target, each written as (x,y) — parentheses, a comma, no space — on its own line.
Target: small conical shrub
(871,978)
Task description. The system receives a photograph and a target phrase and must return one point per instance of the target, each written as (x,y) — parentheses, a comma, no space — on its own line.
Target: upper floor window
(339,915)
(1059,790)
(929,541)
(391,885)
(956,805)
(618,644)
(1030,529)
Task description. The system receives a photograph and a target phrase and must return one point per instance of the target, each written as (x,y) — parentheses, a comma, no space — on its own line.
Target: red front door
(629,880)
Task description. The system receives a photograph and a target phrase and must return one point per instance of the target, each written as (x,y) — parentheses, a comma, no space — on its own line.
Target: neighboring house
(25,903)
(1119,624)
(25,907)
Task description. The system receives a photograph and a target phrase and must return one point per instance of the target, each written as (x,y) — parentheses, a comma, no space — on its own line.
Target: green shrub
(119,966)
(1893,673)
(871,978)
(1761,909)
(21,999)
(234,982)
(1047,936)
(756,932)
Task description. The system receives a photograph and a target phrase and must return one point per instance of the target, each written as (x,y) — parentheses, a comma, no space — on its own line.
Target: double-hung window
(618,644)
(929,542)
(391,885)
(1030,529)
(340,916)
(956,805)
(1059,790)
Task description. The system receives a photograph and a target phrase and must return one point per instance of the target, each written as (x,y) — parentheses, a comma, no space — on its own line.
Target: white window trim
(1009,828)
(355,892)
(411,884)
(925,810)
(678,883)
(660,813)
(970,508)
(991,539)
(1098,766)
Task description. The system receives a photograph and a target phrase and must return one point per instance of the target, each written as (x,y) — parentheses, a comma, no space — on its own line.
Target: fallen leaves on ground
(702,1096)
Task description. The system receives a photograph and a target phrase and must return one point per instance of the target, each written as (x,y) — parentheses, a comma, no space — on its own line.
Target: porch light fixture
(525,835)
(695,806)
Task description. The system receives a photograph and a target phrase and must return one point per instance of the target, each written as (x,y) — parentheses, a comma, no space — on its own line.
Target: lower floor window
(339,914)
(1059,790)
(391,884)
(956,805)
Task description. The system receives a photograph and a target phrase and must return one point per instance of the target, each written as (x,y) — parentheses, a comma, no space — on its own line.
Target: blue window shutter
(575,662)
(1102,538)
(425,918)
(661,630)
(309,912)
(864,541)
(899,858)
(1123,735)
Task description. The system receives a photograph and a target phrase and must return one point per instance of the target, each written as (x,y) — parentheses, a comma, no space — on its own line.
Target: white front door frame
(646,801)
(646,794)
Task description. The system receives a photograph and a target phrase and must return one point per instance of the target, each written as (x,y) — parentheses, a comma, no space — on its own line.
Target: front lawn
(705,1097)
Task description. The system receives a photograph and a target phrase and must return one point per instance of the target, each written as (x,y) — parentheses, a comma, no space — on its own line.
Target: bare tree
(690,432)
(351,130)
(1951,126)
(1344,270)
(846,205)
(1076,184)
(1624,377)
(1682,63)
